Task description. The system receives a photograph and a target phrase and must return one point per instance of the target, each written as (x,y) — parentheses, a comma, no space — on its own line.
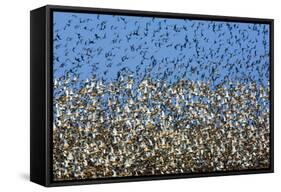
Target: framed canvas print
(123,95)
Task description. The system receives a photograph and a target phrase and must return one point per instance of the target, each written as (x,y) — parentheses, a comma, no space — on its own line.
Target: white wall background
(14,94)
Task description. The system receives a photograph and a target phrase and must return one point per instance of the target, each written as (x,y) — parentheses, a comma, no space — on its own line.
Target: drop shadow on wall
(24,176)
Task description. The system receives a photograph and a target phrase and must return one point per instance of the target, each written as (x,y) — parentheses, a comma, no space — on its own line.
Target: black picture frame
(41,93)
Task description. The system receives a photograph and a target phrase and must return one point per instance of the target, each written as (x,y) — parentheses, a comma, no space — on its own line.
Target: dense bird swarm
(111,130)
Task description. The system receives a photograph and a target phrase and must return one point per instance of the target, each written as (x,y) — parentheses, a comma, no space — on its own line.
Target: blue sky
(169,49)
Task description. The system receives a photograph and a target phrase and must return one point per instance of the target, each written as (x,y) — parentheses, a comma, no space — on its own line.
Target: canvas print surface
(140,96)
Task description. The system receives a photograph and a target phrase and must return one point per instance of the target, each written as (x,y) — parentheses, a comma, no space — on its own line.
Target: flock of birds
(136,96)
(112,130)
(88,44)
